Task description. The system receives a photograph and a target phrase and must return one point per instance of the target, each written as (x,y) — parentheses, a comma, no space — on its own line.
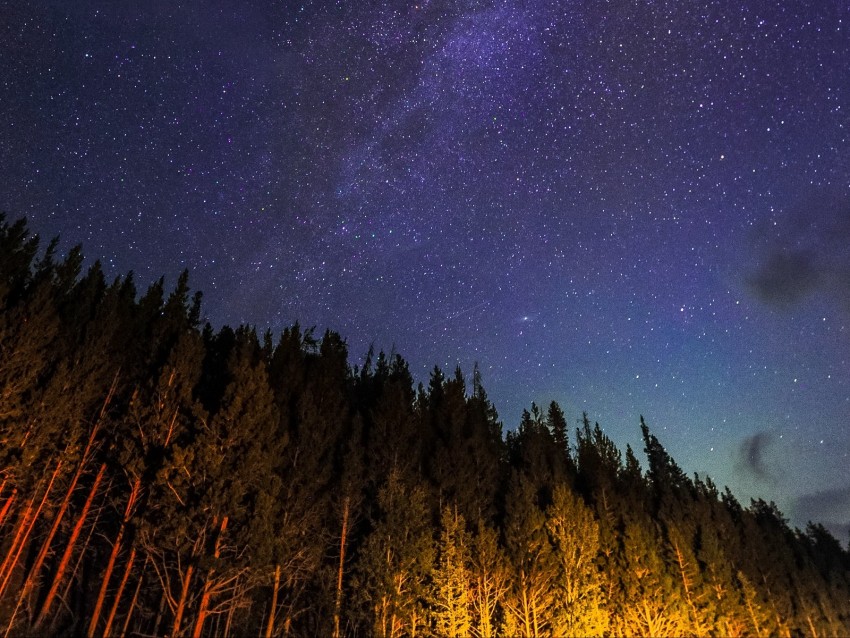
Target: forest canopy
(161,477)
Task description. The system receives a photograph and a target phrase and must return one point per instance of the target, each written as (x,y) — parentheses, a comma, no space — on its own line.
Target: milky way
(628,207)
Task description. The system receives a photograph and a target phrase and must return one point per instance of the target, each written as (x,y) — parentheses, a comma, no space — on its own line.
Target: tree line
(162,478)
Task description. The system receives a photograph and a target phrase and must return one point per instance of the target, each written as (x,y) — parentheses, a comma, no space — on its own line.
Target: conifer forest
(159,477)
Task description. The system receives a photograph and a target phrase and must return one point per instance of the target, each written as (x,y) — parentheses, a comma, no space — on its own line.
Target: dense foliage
(160,478)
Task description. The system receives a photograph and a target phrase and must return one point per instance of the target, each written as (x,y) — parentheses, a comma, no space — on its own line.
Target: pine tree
(317,421)
(760,621)
(490,575)
(171,521)
(467,447)
(532,450)
(396,561)
(599,462)
(451,597)
(235,456)
(574,534)
(557,424)
(652,598)
(391,436)
(17,253)
(529,601)
(668,482)
(695,592)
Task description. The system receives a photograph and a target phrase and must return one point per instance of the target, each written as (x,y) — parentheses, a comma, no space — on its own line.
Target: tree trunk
(114,609)
(181,604)
(45,547)
(129,615)
(205,597)
(28,521)
(811,626)
(526,612)
(229,621)
(534,616)
(113,556)
(275,589)
(687,585)
(19,540)
(69,548)
(82,586)
(340,572)
(7,505)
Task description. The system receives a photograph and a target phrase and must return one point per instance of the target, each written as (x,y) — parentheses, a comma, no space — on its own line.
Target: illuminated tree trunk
(8,504)
(69,548)
(341,570)
(811,626)
(113,556)
(135,598)
(114,609)
(229,623)
(535,614)
(205,597)
(45,547)
(181,604)
(526,613)
(28,520)
(20,539)
(71,580)
(275,589)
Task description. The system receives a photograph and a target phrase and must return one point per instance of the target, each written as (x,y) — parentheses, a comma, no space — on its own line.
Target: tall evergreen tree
(490,576)
(451,596)
(396,561)
(652,600)
(529,603)
(580,607)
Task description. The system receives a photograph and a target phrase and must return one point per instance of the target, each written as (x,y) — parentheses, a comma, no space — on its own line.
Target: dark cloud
(786,277)
(751,456)
(806,251)
(829,507)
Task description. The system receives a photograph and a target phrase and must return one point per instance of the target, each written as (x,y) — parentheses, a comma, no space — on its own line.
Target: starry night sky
(630,207)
